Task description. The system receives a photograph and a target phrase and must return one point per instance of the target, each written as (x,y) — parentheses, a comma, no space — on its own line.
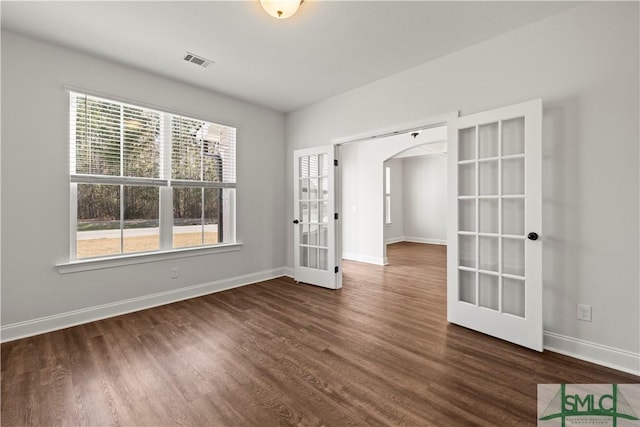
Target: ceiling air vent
(198,60)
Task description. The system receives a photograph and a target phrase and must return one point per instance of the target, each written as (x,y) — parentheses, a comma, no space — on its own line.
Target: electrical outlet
(584,312)
(174,273)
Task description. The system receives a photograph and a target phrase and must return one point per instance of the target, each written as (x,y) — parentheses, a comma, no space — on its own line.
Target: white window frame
(165,208)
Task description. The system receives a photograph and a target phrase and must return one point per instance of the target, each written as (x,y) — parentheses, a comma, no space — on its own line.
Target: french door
(316,259)
(494,255)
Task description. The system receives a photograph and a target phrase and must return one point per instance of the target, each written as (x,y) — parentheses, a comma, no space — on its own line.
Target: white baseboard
(363,258)
(393,240)
(42,325)
(288,271)
(599,354)
(425,240)
(415,240)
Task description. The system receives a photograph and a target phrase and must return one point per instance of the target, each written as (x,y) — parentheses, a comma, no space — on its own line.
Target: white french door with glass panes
(494,256)
(315,220)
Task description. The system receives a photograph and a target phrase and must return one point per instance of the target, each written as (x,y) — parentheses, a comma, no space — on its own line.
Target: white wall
(362,175)
(35,188)
(425,199)
(394,232)
(584,65)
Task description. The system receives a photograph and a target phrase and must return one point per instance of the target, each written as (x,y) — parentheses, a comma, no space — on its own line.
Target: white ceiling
(327,48)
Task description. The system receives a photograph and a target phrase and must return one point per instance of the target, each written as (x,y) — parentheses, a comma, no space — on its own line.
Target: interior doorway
(364,199)
(494,199)
(415,196)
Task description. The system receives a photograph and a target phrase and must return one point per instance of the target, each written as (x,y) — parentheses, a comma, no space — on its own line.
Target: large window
(143,180)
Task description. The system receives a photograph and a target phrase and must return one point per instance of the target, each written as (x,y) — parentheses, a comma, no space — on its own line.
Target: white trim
(363,258)
(425,240)
(201,184)
(288,271)
(79,178)
(393,240)
(614,358)
(431,122)
(141,258)
(55,322)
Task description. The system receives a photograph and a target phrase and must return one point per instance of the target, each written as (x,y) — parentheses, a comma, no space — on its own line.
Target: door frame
(401,128)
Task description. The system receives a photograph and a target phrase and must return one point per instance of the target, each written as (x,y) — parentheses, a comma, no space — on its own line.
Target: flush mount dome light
(281,9)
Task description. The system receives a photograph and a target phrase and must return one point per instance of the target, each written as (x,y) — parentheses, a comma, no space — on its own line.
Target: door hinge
(335,215)
(336,269)
(335,162)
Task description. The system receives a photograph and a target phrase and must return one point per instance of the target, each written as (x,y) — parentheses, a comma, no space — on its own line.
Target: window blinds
(202,151)
(113,142)
(113,139)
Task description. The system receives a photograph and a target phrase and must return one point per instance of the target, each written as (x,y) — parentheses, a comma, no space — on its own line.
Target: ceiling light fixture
(281,9)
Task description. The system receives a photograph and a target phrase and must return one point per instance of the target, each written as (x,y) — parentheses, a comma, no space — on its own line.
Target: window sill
(142,258)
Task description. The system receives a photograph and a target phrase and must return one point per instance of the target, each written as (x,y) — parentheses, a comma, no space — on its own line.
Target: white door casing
(316,258)
(494,262)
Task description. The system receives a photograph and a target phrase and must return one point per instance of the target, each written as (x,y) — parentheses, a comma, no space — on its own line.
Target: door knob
(295,221)
(532,236)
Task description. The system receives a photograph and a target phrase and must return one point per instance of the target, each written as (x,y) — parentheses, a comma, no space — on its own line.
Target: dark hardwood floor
(377,352)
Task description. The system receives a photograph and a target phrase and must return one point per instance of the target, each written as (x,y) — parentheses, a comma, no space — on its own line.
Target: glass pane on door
(313,189)
(488,216)
(313,165)
(467,144)
(323,259)
(489,178)
(467,180)
(304,189)
(467,287)
(313,235)
(467,215)
(323,165)
(513,136)
(304,167)
(488,253)
(513,296)
(513,216)
(488,291)
(513,176)
(313,257)
(488,140)
(323,235)
(467,251)
(513,256)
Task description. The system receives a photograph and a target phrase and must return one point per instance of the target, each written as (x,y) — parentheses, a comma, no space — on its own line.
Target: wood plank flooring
(377,352)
